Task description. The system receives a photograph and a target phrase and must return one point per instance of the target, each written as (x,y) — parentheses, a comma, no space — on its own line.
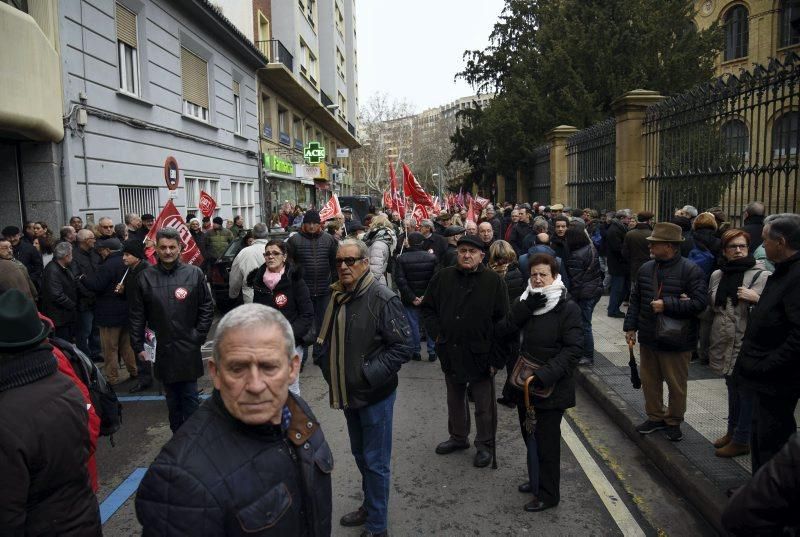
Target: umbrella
(530,439)
(635,380)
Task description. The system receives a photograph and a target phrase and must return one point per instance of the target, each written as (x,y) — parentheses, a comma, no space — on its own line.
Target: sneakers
(673,433)
(650,427)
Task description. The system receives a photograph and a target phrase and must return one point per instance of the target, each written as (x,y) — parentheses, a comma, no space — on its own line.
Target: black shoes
(674,433)
(356,518)
(617,315)
(505,401)
(449,446)
(650,427)
(525,488)
(431,356)
(586,361)
(537,505)
(416,357)
(482,459)
(139,387)
(367,533)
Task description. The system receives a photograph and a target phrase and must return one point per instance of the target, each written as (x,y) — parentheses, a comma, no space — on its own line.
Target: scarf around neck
(334,324)
(553,292)
(271,279)
(732,278)
(26,367)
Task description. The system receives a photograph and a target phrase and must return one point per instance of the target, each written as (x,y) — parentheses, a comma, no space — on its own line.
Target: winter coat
(729,321)
(437,243)
(315,256)
(28,255)
(754,226)
(450,257)
(217,241)
(200,241)
(677,275)
(518,234)
(59,294)
(585,278)
(246,261)
(381,243)
(84,263)
(290,297)
(615,238)
(515,281)
(555,339)
(176,304)
(635,248)
(44,449)
(413,272)
(769,360)
(461,310)
(705,239)
(14,275)
(686,231)
(219,476)
(111,309)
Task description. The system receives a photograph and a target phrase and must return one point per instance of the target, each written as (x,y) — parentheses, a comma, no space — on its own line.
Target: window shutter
(126,26)
(194,75)
(235,88)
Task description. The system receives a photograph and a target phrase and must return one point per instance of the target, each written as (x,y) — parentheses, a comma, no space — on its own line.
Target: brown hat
(557,207)
(666,232)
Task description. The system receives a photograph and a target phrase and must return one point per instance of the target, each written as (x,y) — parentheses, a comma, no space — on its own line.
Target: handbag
(521,376)
(669,328)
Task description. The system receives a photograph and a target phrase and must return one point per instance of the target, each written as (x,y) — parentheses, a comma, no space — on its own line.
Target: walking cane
(635,380)
(494,425)
(530,428)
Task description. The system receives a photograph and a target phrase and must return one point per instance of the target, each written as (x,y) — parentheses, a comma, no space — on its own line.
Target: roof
(219,17)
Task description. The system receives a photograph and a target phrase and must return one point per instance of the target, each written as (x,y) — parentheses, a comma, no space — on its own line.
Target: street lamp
(439,182)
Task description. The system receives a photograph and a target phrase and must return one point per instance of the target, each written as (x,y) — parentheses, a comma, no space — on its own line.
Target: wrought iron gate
(591,164)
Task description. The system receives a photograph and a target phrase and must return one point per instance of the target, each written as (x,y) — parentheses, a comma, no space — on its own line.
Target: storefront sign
(277,164)
(314,153)
(342,152)
(318,173)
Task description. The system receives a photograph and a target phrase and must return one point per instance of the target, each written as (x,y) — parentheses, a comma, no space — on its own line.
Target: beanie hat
(218,220)
(415,239)
(134,247)
(311,217)
(20,326)
(111,243)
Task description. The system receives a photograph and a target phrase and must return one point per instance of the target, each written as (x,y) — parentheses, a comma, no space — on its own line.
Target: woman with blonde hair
(382,241)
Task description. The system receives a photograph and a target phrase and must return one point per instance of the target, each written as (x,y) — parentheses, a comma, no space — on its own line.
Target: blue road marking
(121,494)
(136,398)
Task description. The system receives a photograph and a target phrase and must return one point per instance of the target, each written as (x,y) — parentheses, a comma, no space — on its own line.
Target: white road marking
(616,507)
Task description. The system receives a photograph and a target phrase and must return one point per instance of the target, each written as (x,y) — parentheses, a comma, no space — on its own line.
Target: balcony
(275,52)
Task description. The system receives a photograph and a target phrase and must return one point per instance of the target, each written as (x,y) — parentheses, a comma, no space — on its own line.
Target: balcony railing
(275,52)
(351,128)
(326,101)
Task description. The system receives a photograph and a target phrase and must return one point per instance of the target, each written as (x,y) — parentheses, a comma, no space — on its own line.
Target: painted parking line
(121,494)
(137,398)
(614,504)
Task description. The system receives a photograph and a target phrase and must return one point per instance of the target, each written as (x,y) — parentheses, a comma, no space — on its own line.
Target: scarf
(334,324)
(271,279)
(554,292)
(732,278)
(26,367)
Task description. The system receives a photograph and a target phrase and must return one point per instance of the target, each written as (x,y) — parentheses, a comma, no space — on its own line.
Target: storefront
(285,185)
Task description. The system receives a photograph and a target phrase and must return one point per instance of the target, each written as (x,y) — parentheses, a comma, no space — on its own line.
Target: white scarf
(553,292)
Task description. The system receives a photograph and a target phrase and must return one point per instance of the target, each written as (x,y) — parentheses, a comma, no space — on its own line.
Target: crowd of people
(515,289)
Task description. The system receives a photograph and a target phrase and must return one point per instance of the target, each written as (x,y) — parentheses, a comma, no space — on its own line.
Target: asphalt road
(607,486)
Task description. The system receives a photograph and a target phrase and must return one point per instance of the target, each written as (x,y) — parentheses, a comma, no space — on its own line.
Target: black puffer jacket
(677,275)
(218,476)
(315,256)
(615,238)
(585,278)
(706,239)
(290,297)
(177,305)
(554,338)
(83,263)
(28,255)
(515,281)
(518,234)
(111,309)
(59,294)
(413,271)
(44,446)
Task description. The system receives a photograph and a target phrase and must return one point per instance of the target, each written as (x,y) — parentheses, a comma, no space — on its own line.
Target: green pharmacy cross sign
(314,153)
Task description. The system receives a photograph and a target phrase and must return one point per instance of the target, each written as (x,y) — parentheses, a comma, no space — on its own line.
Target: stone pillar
(501,188)
(629,111)
(521,197)
(557,138)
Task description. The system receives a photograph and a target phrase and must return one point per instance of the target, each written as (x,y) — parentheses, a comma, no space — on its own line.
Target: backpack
(104,399)
(704,259)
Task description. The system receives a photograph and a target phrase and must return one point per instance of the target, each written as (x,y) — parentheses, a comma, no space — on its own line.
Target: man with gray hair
(753,223)
(173,299)
(433,241)
(246,261)
(769,360)
(133,222)
(253,458)
(60,292)
(691,211)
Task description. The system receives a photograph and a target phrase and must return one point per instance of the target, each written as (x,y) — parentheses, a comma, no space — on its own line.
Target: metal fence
(727,143)
(591,163)
(539,186)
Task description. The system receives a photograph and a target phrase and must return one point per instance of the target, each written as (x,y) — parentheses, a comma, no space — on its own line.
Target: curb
(698,490)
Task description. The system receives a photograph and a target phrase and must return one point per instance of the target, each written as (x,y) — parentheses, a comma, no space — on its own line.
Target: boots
(723,440)
(732,450)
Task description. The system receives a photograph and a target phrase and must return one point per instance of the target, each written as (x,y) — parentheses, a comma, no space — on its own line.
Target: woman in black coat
(279,285)
(585,283)
(550,325)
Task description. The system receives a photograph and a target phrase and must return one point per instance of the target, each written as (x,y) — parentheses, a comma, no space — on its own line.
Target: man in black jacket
(133,257)
(432,241)
(60,292)
(635,249)
(769,360)
(754,223)
(84,263)
(252,460)
(25,253)
(174,301)
(672,287)
(414,270)
(522,229)
(363,342)
(461,307)
(617,266)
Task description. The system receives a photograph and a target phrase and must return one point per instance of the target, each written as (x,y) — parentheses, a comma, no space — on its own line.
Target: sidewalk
(690,464)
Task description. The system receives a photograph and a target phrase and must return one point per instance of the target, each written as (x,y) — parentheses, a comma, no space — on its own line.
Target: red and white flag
(480,203)
(207,204)
(413,189)
(170,217)
(330,209)
(420,213)
(398,204)
(387,201)
(471,212)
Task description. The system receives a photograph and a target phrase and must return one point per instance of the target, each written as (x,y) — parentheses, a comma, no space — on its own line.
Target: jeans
(370,431)
(87,342)
(182,401)
(740,411)
(619,288)
(587,308)
(320,304)
(412,312)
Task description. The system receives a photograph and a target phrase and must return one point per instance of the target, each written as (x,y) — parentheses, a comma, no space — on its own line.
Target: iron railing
(539,185)
(591,163)
(275,52)
(727,143)
(326,101)
(351,128)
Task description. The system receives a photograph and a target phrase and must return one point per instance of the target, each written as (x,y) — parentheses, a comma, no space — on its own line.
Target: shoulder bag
(668,328)
(523,373)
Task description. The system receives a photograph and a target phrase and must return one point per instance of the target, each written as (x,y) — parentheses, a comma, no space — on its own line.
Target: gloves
(535,301)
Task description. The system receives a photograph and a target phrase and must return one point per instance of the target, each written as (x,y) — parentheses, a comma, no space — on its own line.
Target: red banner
(387,201)
(480,203)
(330,209)
(413,189)
(207,204)
(471,212)
(170,217)
(398,204)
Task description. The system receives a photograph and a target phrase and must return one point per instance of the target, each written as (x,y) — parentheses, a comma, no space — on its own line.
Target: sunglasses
(349,261)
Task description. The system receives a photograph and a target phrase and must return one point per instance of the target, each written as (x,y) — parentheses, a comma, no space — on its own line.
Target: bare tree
(432,149)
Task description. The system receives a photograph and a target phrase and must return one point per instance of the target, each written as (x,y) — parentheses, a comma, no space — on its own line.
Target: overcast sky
(411,49)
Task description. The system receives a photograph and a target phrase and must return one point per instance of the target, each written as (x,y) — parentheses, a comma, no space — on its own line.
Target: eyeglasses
(736,247)
(273,254)
(349,261)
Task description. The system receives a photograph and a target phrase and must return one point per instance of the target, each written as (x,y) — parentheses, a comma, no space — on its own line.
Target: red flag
(420,213)
(413,189)
(170,217)
(471,212)
(330,209)
(387,201)
(481,203)
(207,204)
(400,203)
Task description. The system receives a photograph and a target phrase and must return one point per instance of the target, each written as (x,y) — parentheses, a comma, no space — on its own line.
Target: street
(608,486)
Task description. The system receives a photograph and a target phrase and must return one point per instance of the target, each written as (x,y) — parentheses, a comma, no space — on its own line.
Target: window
(303,58)
(237,109)
(138,200)
(309,133)
(263,27)
(297,131)
(266,116)
(193,187)
(736,138)
(736,30)
(311,11)
(784,135)
(308,63)
(312,68)
(790,11)
(283,125)
(342,106)
(339,19)
(127,44)
(242,201)
(340,63)
(194,75)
